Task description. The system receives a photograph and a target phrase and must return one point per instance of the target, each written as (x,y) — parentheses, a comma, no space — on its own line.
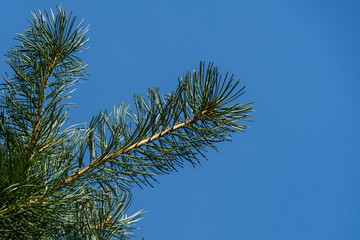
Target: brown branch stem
(40,199)
(39,114)
(114,155)
(97,226)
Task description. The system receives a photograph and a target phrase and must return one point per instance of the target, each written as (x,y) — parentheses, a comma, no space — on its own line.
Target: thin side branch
(100,225)
(37,200)
(97,226)
(40,110)
(47,145)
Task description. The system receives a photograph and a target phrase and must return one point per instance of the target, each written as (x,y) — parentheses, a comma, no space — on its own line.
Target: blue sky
(295,173)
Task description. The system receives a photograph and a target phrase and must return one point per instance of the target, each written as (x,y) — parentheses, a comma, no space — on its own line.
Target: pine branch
(114,155)
(117,154)
(40,110)
(53,181)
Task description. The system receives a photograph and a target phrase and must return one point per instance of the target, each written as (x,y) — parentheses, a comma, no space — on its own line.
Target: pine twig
(40,110)
(112,156)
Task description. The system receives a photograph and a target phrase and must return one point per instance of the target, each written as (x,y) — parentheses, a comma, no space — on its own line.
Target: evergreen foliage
(75,183)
